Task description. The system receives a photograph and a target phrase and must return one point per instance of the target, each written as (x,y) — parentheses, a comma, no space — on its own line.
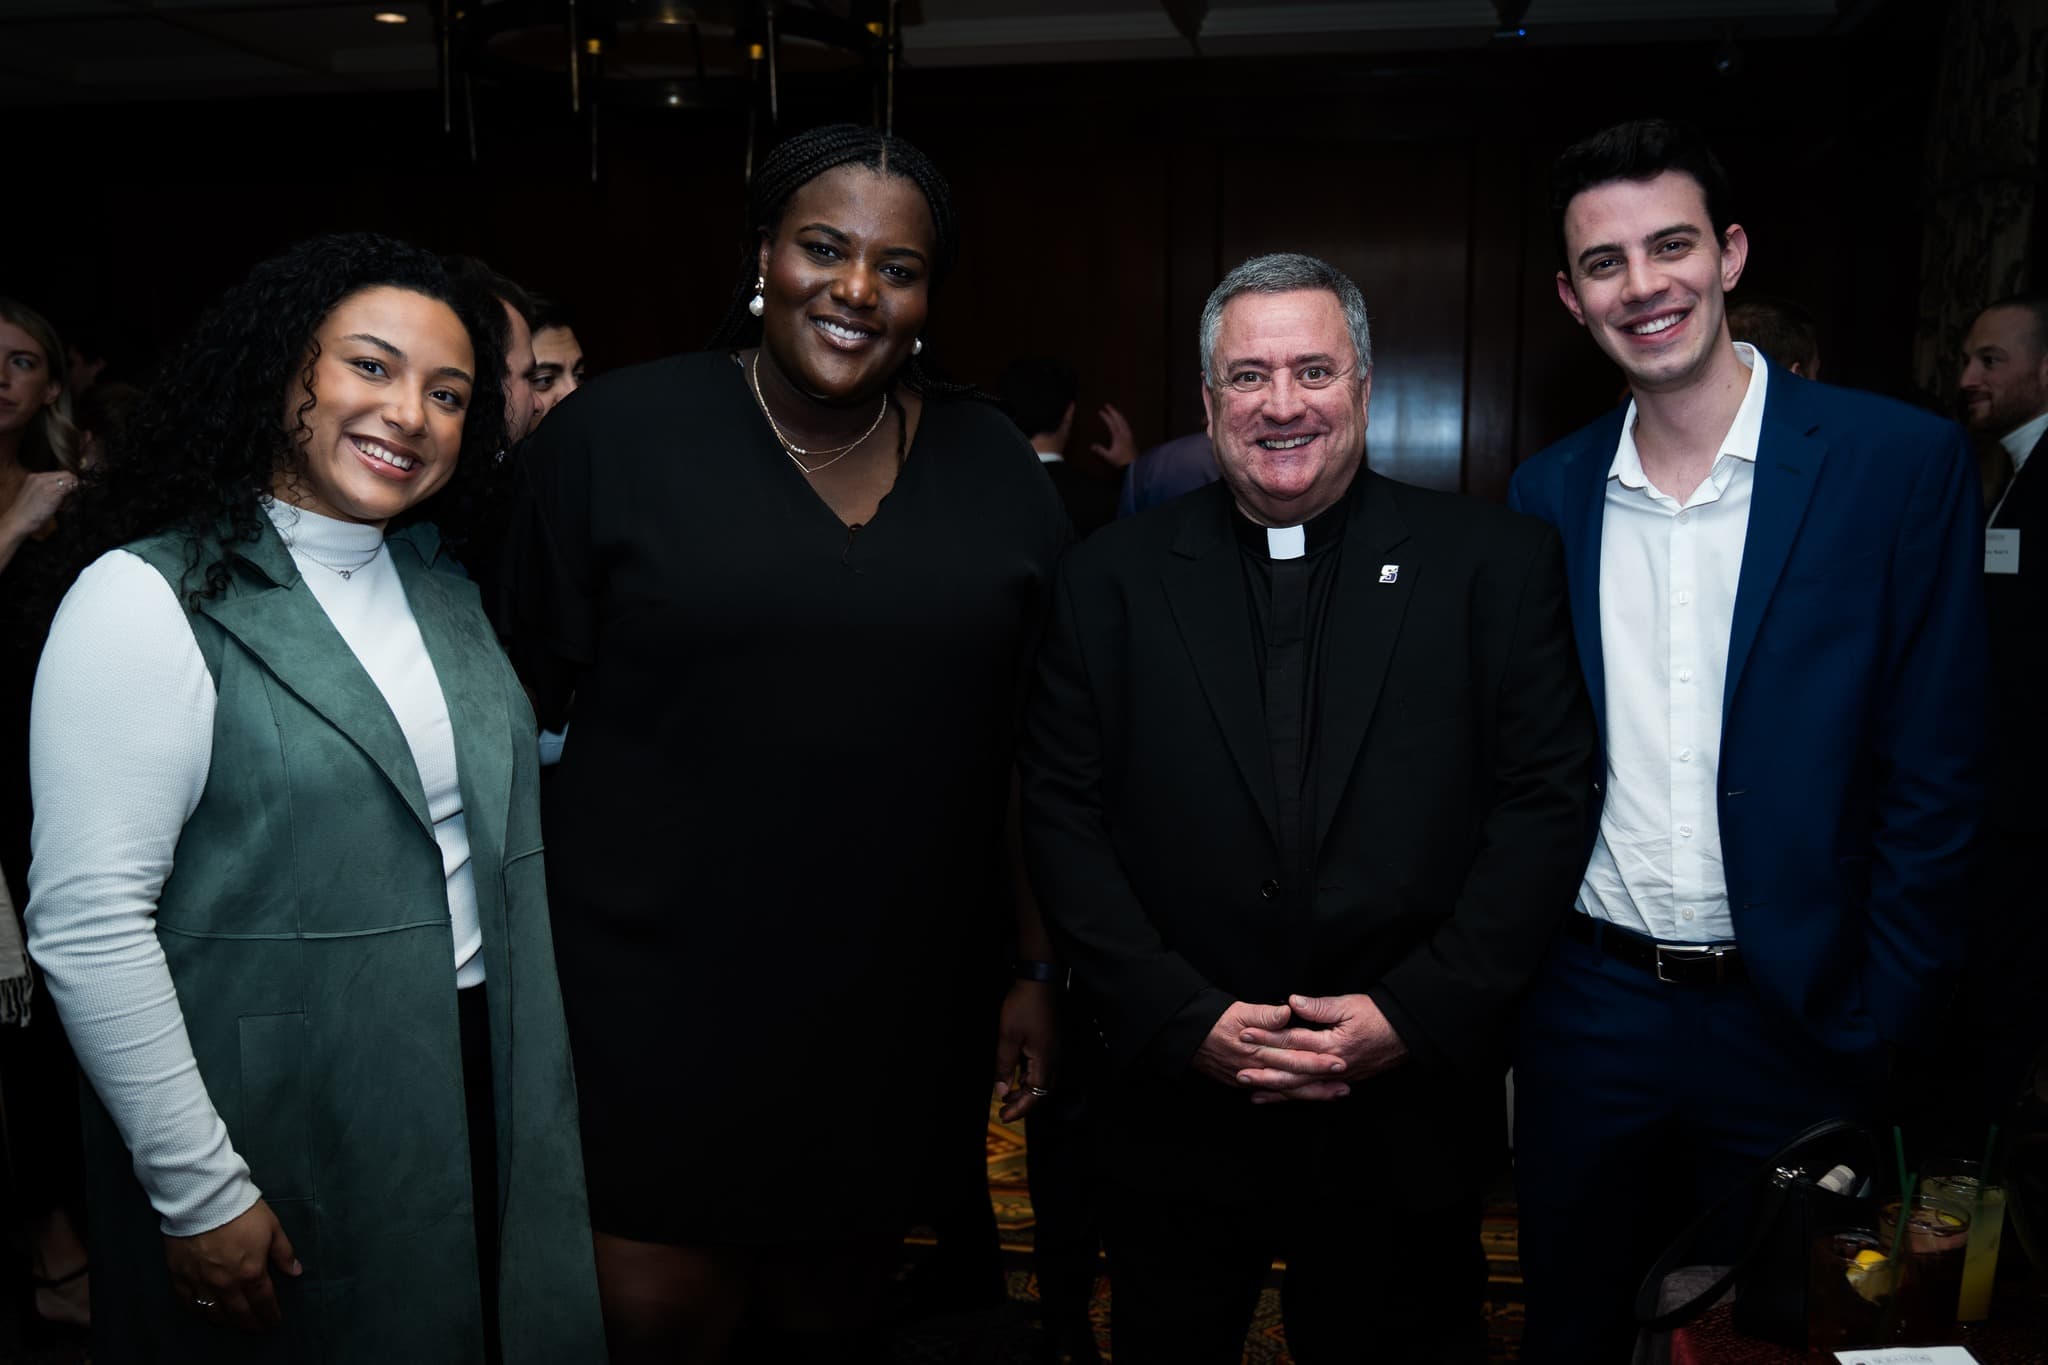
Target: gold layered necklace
(791,448)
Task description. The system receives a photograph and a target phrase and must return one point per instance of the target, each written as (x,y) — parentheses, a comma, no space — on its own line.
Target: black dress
(775,837)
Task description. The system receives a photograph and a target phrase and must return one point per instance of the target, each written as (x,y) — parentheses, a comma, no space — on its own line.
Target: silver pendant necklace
(348,571)
(793,450)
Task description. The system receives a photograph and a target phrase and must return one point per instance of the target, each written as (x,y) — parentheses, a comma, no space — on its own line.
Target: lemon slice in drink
(1866,1279)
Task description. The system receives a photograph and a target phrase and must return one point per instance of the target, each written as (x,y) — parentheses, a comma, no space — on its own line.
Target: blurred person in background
(558,365)
(39,463)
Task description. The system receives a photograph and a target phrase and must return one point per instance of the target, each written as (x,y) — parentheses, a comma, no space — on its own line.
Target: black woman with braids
(286,889)
(793,584)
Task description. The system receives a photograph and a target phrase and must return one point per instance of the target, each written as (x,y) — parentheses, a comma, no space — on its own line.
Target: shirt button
(1680,598)
(1685,831)
(1686,913)
(1684,517)
(1269,889)
(1685,755)
(1685,675)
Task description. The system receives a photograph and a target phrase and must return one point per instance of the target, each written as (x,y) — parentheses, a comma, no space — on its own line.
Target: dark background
(1099,204)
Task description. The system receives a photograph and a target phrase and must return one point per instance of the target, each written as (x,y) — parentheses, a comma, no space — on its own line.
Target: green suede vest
(306,927)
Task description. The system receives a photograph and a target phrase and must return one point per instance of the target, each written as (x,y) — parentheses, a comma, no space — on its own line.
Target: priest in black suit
(2004,390)
(1308,777)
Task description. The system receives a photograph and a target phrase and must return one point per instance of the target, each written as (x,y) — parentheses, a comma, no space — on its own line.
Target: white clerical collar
(1286,542)
(2020,441)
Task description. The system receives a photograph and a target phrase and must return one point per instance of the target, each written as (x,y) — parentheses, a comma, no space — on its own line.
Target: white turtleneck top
(122,677)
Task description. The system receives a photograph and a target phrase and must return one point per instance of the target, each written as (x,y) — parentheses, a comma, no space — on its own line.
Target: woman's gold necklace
(791,448)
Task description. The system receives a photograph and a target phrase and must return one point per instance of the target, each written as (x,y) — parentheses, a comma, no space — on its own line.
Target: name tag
(1909,1355)
(2002,551)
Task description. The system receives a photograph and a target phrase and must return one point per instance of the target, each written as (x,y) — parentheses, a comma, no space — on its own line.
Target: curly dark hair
(205,441)
(795,163)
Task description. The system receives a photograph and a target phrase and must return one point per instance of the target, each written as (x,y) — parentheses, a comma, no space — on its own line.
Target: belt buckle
(1679,954)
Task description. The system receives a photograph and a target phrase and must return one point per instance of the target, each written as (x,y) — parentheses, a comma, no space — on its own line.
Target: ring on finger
(207,1303)
(1040,1091)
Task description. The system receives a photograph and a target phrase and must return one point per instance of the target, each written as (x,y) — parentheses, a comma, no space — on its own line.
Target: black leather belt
(1676,964)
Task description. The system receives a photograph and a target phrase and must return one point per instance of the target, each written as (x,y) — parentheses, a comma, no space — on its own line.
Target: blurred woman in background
(38,472)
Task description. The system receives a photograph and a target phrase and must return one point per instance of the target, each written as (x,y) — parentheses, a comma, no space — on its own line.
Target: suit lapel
(1789,458)
(1364,621)
(2016,503)
(1584,515)
(282,624)
(1205,590)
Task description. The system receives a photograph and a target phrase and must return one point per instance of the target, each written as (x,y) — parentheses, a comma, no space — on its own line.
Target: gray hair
(1284,273)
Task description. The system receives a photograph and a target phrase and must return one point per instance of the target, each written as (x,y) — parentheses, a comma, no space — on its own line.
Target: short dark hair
(2035,304)
(1641,149)
(476,279)
(550,312)
(1785,332)
(1035,391)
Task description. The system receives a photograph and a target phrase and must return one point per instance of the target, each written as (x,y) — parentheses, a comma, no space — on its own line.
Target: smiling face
(557,366)
(846,282)
(1647,278)
(1287,411)
(389,390)
(27,383)
(2005,371)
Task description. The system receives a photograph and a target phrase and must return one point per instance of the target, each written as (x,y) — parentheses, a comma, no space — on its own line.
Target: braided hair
(796,162)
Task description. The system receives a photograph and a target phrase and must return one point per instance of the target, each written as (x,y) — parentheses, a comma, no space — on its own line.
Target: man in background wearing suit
(1775,587)
(1038,393)
(2005,400)
(1306,774)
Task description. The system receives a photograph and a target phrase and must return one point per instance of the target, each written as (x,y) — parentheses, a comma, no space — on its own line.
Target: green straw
(1899,1151)
(1984,1167)
(1891,1312)
(1905,1214)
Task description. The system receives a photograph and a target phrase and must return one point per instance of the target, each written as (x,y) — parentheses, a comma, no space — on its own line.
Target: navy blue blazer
(1853,727)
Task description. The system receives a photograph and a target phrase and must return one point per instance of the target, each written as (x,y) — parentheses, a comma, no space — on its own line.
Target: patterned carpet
(1012,1200)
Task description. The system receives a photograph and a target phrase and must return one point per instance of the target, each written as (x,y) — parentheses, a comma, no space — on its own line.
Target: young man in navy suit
(1776,591)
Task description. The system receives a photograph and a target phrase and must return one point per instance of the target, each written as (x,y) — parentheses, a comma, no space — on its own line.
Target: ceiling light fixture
(391,16)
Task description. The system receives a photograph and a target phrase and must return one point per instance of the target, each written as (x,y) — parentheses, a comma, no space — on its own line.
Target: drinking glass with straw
(1969,1185)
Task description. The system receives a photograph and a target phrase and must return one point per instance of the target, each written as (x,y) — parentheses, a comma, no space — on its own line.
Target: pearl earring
(756,305)
(917,346)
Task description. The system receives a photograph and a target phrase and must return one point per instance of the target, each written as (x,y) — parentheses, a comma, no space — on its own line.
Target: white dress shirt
(122,674)
(2021,440)
(1668,574)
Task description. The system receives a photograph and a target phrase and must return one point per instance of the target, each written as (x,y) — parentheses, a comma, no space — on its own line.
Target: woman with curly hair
(287,833)
(792,583)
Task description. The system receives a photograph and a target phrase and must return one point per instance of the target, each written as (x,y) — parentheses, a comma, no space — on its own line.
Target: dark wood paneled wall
(1099,206)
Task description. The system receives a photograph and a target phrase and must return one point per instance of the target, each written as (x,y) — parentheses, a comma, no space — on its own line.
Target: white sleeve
(120,741)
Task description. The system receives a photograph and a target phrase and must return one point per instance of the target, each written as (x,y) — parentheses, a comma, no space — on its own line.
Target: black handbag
(1789,1210)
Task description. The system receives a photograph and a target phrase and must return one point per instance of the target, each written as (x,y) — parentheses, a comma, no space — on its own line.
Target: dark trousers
(1638,1104)
(472,1010)
(1365,1284)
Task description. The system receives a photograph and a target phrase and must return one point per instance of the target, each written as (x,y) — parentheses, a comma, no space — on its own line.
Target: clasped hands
(1311,1048)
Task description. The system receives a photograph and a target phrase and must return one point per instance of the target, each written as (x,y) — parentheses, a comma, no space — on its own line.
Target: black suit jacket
(2016,610)
(1090,502)
(1453,773)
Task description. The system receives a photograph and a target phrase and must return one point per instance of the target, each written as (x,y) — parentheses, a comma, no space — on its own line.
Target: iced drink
(1936,1237)
(1850,1291)
(1985,1205)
